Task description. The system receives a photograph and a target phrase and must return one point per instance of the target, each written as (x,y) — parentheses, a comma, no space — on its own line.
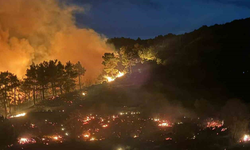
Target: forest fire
(149,80)
(111,79)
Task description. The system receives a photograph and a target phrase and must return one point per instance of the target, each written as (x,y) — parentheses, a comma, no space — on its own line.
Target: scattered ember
(26,140)
(214,124)
(168,139)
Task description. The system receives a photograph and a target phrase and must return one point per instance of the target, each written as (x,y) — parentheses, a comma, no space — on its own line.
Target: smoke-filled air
(38,30)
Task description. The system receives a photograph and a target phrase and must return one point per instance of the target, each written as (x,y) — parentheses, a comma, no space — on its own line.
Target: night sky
(149,18)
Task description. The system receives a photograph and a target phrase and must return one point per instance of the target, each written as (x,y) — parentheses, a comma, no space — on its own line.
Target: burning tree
(8,82)
(110,64)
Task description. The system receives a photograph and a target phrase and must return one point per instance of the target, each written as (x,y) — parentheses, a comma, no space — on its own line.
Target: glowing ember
(23,141)
(86,135)
(168,139)
(83,94)
(223,129)
(215,124)
(92,139)
(26,141)
(105,126)
(18,115)
(246,138)
(164,124)
(156,119)
(55,138)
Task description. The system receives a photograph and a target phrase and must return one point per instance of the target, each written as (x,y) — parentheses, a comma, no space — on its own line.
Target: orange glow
(110,79)
(105,125)
(246,138)
(25,38)
(164,124)
(86,135)
(120,74)
(23,140)
(18,115)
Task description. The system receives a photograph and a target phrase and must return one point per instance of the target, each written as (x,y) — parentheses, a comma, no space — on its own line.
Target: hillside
(210,62)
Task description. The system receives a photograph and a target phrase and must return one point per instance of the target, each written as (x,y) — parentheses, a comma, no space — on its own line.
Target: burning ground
(81,120)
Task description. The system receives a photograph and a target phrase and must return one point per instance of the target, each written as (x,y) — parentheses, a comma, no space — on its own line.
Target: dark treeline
(207,62)
(48,78)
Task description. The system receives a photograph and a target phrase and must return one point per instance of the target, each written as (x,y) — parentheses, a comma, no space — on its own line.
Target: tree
(80,72)
(52,75)
(235,115)
(42,77)
(149,54)
(8,82)
(60,76)
(31,80)
(70,75)
(26,88)
(110,64)
(130,56)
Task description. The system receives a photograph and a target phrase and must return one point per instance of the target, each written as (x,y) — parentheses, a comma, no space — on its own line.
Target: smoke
(37,30)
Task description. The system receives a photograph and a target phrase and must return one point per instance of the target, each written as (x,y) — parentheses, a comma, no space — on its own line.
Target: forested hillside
(206,63)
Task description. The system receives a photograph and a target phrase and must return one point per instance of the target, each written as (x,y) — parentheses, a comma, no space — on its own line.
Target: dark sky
(149,18)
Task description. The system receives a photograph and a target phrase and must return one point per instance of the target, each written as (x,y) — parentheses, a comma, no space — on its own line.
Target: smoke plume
(37,30)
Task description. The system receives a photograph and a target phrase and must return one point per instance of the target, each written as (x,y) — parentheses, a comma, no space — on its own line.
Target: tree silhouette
(42,77)
(60,76)
(8,82)
(80,72)
(52,75)
(31,80)
(70,75)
